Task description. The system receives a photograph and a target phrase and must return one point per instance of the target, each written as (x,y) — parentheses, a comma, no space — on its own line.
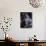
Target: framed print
(26,19)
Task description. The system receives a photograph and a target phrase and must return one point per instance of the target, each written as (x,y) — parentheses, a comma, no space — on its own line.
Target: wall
(12,8)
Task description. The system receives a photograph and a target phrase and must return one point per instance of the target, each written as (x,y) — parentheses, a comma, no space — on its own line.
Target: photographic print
(26,19)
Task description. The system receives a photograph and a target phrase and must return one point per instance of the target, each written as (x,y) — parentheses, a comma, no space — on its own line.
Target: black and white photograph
(26,19)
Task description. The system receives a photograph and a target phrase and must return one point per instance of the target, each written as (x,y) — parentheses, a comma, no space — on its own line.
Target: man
(28,21)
